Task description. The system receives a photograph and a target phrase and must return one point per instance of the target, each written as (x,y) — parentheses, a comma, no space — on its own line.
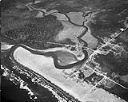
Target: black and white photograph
(64,51)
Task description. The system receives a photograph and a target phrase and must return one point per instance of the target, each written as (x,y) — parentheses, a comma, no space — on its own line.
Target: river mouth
(53,54)
(44,65)
(33,59)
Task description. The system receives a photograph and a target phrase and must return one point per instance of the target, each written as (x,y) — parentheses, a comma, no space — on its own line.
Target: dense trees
(36,32)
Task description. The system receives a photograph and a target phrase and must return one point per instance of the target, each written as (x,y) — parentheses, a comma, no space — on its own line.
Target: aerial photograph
(64,51)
